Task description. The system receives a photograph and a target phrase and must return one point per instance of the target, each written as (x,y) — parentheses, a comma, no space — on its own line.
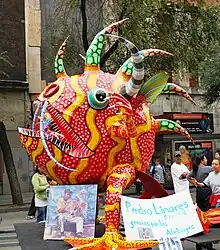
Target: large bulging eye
(98,98)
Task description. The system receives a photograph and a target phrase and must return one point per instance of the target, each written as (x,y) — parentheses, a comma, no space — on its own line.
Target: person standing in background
(157,171)
(217,154)
(40,184)
(200,172)
(212,181)
(138,185)
(32,209)
(179,173)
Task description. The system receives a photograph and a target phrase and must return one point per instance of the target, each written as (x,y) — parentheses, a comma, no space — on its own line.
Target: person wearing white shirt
(179,173)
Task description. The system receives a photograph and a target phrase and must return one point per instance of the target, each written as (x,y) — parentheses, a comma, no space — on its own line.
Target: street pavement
(8,237)
(9,219)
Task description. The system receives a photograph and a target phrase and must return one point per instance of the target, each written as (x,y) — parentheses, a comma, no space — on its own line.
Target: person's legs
(79,224)
(32,209)
(61,221)
(138,187)
(41,213)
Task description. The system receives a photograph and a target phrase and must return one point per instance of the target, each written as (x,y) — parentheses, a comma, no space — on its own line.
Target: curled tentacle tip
(169,53)
(194,102)
(191,100)
(125,20)
(67,38)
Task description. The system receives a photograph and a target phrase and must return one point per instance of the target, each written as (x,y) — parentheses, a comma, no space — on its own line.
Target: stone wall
(33,45)
(12,33)
(15,112)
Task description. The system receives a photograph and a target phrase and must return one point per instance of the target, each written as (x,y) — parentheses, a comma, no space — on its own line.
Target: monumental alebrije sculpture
(96,128)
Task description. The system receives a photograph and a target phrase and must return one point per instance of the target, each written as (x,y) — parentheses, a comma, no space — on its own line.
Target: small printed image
(145,233)
(190,151)
(71,211)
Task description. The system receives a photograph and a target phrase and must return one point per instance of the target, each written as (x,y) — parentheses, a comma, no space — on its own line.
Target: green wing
(153,87)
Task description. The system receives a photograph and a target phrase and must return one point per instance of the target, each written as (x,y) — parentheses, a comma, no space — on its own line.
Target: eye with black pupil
(100,95)
(98,98)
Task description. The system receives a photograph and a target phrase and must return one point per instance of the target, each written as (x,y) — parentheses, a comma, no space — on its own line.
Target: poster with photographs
(71,211)
(190,151)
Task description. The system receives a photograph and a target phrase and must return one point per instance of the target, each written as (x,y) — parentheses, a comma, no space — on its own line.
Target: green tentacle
(94,51)
(164,126)
(58,64)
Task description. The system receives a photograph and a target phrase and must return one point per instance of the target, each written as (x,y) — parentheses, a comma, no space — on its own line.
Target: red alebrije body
(92,127)
(96,128)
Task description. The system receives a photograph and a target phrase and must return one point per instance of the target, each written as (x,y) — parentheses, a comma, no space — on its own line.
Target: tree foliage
(189,31)
(210,77)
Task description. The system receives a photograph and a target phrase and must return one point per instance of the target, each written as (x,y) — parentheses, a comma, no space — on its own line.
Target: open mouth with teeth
(58,132)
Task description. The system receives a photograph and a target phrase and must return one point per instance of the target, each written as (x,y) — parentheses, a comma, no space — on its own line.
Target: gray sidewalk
(7,199)
(7,206)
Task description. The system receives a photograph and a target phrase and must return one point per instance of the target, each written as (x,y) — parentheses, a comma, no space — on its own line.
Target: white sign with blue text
(171,216)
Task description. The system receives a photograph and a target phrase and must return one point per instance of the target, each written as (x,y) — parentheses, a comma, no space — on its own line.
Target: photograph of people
(68,211)
(145,233)
(185,157)
(71,211)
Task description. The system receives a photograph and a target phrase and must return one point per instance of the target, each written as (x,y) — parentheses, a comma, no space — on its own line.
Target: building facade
(21,82)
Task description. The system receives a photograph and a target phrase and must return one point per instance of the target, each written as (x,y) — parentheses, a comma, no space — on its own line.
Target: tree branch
(84,24)
(108,53)
(10,166)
